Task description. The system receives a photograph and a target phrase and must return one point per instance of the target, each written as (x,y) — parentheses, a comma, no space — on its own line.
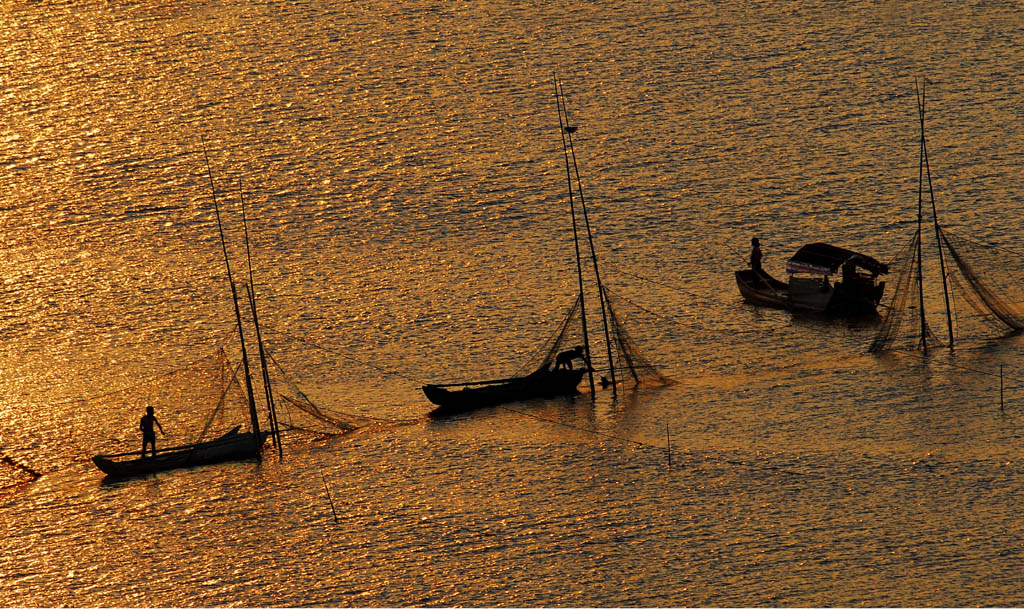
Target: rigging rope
(647,444)
(317,345)
(145,382)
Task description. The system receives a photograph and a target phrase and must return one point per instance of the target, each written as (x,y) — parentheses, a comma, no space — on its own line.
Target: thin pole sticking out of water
(1000,388)
(328,489)
(668,443)
(238,315)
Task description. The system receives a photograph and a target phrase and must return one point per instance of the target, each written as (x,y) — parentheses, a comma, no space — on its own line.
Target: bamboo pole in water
(238,315)
(563,129)
(590,239)
(251,289)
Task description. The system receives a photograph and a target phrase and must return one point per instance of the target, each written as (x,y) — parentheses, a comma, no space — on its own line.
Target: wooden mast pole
(564,128)
(593,253)
(935,219)
(238,315)
(920,204)
(251,289)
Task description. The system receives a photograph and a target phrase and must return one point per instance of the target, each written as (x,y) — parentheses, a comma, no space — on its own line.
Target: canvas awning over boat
(825,259)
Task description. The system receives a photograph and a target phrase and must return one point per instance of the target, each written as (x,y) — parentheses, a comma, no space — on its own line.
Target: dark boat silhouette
(542,383)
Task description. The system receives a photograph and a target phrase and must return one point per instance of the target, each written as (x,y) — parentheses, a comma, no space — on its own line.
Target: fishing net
(568,336)
(984,295)
(182,400)
(902,326)
(203,400)
(631,367)
(989,280)
(15,473)
(297,412)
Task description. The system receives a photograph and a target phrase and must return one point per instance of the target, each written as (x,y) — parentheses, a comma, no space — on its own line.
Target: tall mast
(920,203)
(593,253)
(935,219)
(238,315)
(251,289)
(563,129)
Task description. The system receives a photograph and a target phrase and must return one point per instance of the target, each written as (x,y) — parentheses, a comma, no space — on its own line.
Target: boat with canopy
(823,278)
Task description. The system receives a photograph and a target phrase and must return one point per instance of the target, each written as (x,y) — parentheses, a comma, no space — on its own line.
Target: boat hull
(810,295)
(232,446)
(765,291)
(541,384)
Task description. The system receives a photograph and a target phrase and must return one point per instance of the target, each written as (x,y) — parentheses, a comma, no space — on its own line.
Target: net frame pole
(935,215)
(920,213)
(593,252)
(275,431)
(253,417)
(563,127)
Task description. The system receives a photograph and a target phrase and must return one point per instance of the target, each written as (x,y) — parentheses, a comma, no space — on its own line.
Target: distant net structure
(631,367)
(985,287)
(981,285)
(14,473)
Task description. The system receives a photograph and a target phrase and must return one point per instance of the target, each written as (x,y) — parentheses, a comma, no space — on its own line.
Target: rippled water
(402,168)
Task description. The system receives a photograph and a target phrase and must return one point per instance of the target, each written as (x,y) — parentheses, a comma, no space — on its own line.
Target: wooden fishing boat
(544,383)
(823,278)
(232,446)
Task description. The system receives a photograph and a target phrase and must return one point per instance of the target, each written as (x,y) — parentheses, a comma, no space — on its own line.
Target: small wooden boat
(543,383)
(232,446)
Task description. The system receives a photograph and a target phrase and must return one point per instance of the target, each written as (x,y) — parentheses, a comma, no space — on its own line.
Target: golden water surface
(405,187)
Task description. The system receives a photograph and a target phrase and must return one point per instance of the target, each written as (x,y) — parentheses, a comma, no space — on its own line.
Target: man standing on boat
(148,433)
(755,260)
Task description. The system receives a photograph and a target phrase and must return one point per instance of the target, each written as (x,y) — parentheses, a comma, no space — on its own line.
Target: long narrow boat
(544,383)
(232,446)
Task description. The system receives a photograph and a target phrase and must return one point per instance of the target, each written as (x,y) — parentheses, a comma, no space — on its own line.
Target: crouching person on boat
(563,361)
(148,432)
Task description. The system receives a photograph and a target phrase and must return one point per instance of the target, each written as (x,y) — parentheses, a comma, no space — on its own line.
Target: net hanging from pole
(989,280)
(297,412)
(631,366)
(197,401)
(901,322)
(986,292)
(568,335)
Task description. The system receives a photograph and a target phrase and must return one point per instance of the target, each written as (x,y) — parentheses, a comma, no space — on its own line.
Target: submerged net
(984,296)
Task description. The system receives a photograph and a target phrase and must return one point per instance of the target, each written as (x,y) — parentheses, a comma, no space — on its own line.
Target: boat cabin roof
(825,259)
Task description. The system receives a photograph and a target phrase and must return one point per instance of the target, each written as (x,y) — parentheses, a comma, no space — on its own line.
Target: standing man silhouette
(148,433)
(755,260)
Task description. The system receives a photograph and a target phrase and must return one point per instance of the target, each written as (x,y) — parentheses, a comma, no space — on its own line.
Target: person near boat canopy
(564,359)
(148,433)
(755,255)
(755,260)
